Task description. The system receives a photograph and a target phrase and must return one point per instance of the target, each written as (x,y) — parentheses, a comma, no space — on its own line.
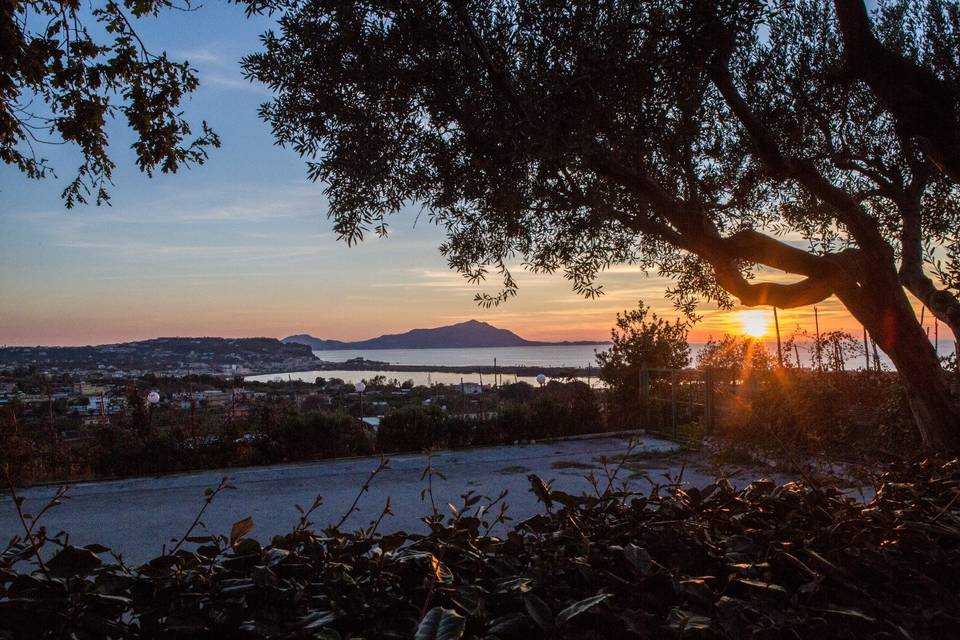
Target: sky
(242,246)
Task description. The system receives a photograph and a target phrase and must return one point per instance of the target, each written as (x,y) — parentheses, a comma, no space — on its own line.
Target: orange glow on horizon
(755,323)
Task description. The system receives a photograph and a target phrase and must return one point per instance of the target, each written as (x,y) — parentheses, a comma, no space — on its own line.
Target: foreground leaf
(441,624)
(240,529)
(579,607)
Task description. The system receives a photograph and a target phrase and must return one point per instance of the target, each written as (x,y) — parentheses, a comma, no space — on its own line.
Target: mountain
(465,335)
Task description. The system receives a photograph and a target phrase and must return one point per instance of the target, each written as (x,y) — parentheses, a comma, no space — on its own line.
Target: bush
(841,414)
(640,338)
(803,560)
(322,434)
(412,428)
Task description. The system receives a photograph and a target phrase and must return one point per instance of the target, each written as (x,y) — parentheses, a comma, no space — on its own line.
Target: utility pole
(936,337)
(866,351)
(816,322)
(776,324)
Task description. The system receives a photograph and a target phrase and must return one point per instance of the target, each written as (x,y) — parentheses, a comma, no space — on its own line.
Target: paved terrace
(136,517)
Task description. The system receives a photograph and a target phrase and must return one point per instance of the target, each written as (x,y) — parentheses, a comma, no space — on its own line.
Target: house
(88,389)
(95,421)
(471,388)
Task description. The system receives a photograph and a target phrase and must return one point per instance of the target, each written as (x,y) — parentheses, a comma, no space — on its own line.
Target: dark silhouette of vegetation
(68,68)
(640,338)
(686,137)
(799,560)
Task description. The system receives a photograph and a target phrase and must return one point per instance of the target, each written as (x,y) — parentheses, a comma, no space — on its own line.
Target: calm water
(558,356)
(562,356)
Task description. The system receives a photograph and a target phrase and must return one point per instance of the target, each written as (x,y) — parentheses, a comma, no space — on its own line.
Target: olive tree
(713,142)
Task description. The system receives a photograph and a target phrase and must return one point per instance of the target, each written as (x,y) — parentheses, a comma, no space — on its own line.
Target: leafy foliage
(735,354)
(640,338)
(687,138)
(62,79)
(798,560)
(794,413)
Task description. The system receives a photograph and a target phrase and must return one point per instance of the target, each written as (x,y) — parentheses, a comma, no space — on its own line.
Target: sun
(754,323)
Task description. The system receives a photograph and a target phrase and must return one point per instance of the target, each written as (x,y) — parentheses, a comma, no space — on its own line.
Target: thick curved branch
(942,303)
(785,296)
(923,105)
(825,274)
(759,248)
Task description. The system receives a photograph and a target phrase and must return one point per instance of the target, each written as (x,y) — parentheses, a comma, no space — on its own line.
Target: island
(472,334)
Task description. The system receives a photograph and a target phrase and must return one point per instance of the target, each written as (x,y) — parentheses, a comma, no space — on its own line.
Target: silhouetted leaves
(441,624)
(798,560)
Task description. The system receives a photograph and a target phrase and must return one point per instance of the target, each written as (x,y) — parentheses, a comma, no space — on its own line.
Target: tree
(640,338)
(736,354)
(689,138)
(61,82)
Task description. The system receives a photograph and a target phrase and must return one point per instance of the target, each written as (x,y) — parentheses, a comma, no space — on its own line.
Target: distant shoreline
(519,370)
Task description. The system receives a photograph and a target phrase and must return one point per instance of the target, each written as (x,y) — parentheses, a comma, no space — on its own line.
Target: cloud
(201,56)
(234,83)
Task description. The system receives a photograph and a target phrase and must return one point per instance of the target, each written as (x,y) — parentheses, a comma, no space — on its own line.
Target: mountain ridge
(472,334)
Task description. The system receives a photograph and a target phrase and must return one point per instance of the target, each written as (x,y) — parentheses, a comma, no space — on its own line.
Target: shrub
(639,338)
(803,560)
(323,434)
(843,414)
(412,428)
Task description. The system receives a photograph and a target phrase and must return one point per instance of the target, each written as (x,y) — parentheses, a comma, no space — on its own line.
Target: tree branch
(941,302)
(923,105)
(785,296)
(784,167)
(759,248)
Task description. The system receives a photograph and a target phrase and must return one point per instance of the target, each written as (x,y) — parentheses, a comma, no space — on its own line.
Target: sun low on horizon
(755,323)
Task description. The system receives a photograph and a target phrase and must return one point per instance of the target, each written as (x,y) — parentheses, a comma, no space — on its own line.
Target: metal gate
(678,403)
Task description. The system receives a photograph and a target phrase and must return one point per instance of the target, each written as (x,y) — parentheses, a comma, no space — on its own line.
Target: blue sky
(242,245)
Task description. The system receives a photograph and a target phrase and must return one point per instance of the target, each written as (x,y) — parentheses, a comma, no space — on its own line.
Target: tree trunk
(894,325)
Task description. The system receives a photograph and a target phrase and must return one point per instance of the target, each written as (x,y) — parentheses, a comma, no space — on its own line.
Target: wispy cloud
(201,56)
(234,82)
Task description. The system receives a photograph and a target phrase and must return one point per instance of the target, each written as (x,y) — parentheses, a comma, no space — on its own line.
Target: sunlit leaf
(579,607)
(240,529)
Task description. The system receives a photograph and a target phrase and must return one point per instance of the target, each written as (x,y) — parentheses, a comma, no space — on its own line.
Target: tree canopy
(713,142)
(67,68)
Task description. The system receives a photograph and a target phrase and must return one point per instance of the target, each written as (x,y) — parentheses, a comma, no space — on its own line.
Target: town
(166,356)
(61,427)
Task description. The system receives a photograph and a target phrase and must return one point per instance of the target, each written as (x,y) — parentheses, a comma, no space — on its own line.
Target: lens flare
(755,323)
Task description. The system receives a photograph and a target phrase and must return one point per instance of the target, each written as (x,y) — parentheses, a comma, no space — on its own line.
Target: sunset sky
(242,245)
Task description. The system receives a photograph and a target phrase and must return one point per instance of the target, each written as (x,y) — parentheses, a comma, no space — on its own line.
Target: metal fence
(678,403)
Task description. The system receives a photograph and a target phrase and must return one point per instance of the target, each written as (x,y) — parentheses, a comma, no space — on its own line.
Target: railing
(672,400)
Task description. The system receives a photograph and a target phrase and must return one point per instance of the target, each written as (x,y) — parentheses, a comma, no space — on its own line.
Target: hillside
(465,335)
(173,355)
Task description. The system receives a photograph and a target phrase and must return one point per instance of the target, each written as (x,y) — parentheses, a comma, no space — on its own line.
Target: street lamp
(541,379)
(153,398)
(359,388)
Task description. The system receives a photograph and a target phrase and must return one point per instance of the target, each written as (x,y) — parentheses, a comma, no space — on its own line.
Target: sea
(582,356)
